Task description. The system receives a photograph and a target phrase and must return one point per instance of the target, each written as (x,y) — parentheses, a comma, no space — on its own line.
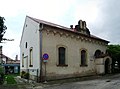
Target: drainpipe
(40,50)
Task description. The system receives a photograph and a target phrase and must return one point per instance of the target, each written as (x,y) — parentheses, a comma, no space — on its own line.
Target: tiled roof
(4,56)
(66,29)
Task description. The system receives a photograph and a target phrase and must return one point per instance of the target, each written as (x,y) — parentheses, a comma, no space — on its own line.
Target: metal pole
(40,35)
(37,76)
(45,73)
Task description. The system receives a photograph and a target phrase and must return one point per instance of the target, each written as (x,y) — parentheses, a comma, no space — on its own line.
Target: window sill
(62,65)
(30,65)
(83,65)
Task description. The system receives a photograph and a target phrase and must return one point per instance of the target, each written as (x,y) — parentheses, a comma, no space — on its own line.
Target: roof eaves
(65,28)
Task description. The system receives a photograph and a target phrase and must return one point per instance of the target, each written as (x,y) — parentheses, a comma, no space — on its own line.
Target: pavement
(57,84)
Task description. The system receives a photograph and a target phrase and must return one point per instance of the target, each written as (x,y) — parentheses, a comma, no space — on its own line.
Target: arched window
(61,53)
(83,58)
(31,57)
(23,60)
(97,53)
(26,45)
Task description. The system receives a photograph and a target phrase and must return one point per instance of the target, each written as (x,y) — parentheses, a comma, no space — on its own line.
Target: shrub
(1,75)
(1,70)
(24,75)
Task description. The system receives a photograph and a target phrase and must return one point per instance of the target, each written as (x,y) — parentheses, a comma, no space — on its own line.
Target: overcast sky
(102,17)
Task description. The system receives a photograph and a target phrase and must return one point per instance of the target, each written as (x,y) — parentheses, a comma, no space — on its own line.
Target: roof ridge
(63,27)
(48,23)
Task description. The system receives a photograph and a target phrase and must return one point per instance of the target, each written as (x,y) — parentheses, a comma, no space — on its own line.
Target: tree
(2,28)
(114,52)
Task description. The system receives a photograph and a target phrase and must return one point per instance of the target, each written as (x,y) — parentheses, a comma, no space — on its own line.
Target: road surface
(111,82)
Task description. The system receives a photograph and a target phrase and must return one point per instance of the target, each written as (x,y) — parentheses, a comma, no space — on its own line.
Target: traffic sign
(45,56)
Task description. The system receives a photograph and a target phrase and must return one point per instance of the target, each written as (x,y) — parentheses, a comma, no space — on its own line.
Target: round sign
(45,56)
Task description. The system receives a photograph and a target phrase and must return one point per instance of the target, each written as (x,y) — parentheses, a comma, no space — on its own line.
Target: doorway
(107,66)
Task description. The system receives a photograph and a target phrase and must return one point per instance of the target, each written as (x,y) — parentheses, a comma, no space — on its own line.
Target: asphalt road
(111,82)
(8,87)
(105,82)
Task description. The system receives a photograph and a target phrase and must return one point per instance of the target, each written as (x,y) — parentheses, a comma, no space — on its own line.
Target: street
(112,82)
(91,84)
(102,82)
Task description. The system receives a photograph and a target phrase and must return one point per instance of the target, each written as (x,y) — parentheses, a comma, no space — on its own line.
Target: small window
(97,53)
(23,60)
(26,45)
(26,25)
(83,58)
(31,57)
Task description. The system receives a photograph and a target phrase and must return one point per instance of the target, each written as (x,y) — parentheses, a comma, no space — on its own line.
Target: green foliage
(1,70)
(2,28)
(10,79)
(1,75)
(24,75)
(114,52)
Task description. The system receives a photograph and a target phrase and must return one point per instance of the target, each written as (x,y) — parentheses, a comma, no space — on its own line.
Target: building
(10,66)
(71,52)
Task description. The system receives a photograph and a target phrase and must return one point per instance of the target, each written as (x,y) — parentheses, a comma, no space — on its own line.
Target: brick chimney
(80,24)
(16,58)
(71,26)
(84,25)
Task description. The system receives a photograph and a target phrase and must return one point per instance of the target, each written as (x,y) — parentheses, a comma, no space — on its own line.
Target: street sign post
(45,60)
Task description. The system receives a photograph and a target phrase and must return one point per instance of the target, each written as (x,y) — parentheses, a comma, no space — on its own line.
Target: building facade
(73,52)
(10,66)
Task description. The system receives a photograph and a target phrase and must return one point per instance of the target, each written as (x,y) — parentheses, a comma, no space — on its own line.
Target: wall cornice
(73,36)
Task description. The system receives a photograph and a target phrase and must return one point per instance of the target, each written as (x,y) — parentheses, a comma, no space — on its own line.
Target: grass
(10,78)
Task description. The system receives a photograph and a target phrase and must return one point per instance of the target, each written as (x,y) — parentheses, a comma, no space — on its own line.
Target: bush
(1,70)
(24,75)
(1,75)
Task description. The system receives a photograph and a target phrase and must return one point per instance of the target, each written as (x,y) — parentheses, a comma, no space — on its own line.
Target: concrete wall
(100,64)
(54,38)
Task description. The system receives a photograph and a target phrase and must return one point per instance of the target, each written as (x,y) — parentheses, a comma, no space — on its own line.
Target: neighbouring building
(72,52)
(10,66)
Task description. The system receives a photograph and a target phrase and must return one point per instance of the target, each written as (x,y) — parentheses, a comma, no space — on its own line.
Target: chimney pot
(16,58)
(84,25)
(71,26)
(80,24)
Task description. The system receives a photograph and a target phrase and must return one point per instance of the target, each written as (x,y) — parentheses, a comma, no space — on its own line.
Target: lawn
(10,78)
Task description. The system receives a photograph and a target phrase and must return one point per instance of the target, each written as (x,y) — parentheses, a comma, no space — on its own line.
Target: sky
(102,18)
